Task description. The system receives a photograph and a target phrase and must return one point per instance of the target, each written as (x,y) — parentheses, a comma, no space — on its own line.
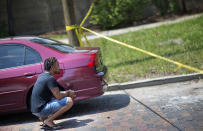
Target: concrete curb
(153,82)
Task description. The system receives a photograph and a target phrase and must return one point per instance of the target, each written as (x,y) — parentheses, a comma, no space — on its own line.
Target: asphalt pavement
(168,107)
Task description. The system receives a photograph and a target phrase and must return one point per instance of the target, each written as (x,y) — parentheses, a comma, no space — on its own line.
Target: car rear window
(54,44)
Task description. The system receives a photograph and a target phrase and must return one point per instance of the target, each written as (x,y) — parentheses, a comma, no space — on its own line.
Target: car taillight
(92,60)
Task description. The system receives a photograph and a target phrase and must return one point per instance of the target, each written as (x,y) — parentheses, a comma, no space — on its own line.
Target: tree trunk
(69,16)
(184,7)
(10,18)
(181,4)
(164,5)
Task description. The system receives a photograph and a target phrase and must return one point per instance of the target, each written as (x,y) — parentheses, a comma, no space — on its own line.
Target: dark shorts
(52,106)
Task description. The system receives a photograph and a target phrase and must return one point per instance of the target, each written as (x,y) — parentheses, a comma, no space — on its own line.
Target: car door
(19,68)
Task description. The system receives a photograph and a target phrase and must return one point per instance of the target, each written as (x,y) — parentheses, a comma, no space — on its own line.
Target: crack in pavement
(153,111)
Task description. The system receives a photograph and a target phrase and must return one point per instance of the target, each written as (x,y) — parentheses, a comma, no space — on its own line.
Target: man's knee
(70,101)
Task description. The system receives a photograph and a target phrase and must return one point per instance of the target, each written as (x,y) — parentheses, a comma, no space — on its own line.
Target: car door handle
(29,74)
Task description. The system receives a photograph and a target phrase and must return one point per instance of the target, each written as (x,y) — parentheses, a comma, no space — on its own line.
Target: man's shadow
(74,123)
(95,105)
(99,104)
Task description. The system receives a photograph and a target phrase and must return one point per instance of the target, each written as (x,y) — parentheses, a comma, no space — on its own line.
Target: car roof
(24,38)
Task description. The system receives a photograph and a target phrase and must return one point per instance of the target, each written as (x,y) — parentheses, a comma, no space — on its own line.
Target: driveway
(176,106)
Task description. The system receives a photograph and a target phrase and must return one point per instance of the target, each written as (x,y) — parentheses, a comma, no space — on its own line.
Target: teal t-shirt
(41,93)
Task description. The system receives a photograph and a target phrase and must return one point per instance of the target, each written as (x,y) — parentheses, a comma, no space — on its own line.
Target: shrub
(3,31)
(167,6)
(111,13)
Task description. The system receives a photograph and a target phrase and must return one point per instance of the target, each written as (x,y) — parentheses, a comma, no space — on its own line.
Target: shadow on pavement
(74,123)
(99,104)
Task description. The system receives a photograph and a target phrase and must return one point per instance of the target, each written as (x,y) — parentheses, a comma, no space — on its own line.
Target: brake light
(92,60)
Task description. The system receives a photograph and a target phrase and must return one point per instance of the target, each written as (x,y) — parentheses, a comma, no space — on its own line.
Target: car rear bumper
(103,75)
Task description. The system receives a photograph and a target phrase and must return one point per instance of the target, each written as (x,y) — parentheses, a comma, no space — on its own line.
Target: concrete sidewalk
(155,81)
(137,28)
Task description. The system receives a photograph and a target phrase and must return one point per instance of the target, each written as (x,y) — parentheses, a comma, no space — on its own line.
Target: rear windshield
(54,44)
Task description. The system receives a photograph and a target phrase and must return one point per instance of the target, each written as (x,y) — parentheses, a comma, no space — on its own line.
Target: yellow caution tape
(79,33)
(88,13)
(71,27)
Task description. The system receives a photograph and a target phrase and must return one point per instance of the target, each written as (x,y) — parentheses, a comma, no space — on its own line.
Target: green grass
(125,64)
(57,37)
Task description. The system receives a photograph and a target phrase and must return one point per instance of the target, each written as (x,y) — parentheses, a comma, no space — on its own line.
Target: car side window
(31,56)
(11,56)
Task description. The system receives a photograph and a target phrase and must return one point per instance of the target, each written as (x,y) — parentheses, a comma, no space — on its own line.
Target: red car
(21,62)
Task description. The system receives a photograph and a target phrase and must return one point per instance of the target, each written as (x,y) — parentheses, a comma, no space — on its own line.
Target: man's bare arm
(59,94)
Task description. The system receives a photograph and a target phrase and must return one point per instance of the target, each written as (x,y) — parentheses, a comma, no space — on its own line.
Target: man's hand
(71,94)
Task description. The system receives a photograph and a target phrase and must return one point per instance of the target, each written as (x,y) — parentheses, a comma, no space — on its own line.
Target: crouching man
(47,101)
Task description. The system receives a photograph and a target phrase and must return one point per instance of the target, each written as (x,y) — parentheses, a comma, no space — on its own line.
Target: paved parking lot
(177,106)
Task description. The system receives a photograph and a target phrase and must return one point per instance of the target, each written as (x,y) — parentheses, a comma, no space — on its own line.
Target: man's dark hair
(49,62)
